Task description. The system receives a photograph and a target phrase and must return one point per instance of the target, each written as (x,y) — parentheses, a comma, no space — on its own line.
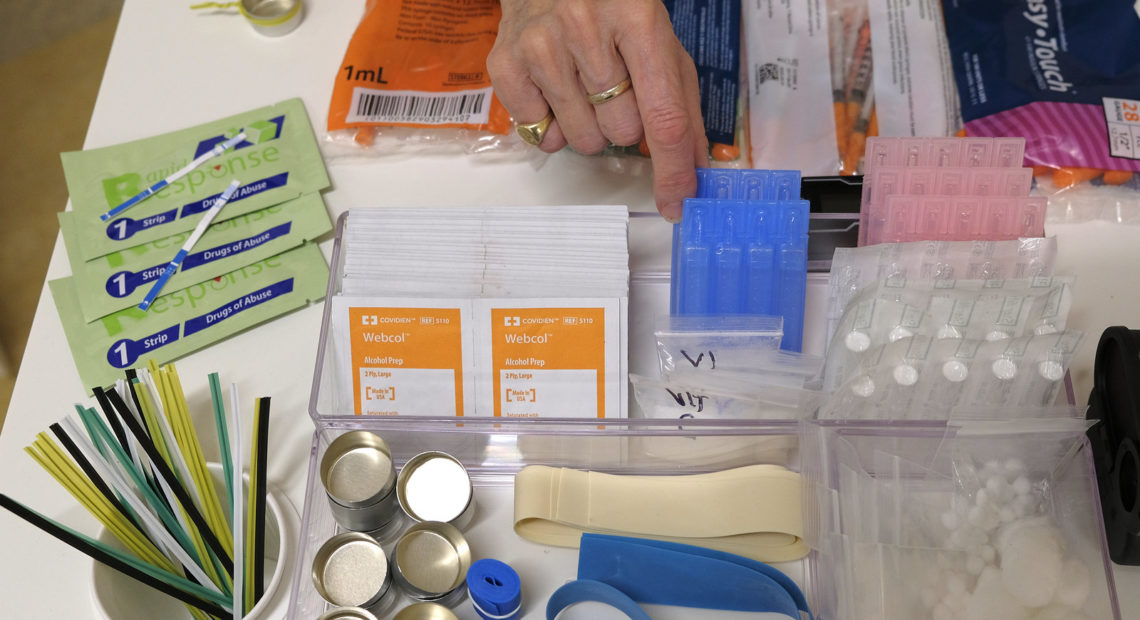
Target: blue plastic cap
(495,590)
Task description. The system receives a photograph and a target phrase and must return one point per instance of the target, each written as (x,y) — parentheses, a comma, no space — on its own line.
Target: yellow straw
(213,5)
(161,381)
(251,510)
(193,453)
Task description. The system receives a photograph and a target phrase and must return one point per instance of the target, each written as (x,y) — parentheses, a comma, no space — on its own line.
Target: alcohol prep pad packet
(121,279)
(184,321)
(277,161)
(402,356)
(432,356)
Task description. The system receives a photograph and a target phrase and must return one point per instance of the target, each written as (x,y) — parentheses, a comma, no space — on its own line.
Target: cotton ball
(988,554)
(998,488)
(957,602)
(905,375)
(857,341)
(1031,564)
(1059,612)
(1074,589)
(1023,505)
(975,565)
(981,498)
(991,600)
(1022,486)
(977,516)
(1014,466)
(955,371)
(1004,369)
(898,333)
(942,612)
(950,520)
(1007,514)
(929,597)
(1051,370)
(991,468)
(974,537)
(863,386)
(955,584)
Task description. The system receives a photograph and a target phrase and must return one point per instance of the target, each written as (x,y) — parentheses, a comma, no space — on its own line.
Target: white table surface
(170,68)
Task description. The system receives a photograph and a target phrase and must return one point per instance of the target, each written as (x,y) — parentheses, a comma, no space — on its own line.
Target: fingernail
(671,211)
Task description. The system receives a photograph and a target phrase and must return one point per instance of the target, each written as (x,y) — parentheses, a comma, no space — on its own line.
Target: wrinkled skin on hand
(550,55)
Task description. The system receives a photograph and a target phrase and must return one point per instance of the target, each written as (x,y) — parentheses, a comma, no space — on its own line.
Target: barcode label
(409,106)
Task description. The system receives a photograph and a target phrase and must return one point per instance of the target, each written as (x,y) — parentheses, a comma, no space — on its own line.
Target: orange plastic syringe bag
(421,65)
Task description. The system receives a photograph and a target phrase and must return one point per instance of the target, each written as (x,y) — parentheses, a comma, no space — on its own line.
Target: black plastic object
(1115,401)
(834,216)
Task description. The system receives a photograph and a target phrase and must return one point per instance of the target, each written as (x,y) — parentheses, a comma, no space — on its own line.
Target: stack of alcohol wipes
(492,311)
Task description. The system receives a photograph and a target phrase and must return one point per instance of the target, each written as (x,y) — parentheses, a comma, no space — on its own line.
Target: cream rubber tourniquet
(753,511)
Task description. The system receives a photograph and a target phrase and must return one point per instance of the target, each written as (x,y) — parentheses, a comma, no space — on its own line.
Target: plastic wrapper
(689,397)
(982,310)
(856,268)
(979,519)
(922,378)
(1066,76)
(415,75)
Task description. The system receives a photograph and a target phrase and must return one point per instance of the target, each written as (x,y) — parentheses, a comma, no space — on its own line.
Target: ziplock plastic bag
(710,343)
(983,519)
(688,397)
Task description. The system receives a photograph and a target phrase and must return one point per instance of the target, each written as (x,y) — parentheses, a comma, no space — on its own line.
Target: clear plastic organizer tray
(880,515)
(494,449)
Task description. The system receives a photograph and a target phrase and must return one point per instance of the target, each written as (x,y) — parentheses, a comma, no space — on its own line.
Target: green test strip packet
(186,320)
(121,279)
(278,160)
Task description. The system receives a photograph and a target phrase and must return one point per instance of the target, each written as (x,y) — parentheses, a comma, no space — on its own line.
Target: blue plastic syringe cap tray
(741,249)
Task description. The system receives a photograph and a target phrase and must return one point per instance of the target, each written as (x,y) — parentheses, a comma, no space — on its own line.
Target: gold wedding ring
(532,133)
(611,92)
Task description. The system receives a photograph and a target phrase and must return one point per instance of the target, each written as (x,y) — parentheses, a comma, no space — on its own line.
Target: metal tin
(347,613)
(425,611)
(434,486)
(272,18)
(431,562)
(359,480)
(351,570)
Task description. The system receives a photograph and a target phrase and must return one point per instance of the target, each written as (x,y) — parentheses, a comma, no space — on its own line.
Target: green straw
(223,439)
(179,587)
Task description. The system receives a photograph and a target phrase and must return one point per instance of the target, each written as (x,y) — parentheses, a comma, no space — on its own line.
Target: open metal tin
(272,18)
(431,561)
(351,570)
(434,486)
(425,611)
(347,613)
(359,480)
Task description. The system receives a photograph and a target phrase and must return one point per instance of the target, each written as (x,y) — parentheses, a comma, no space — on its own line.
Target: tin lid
(432,559)
(351,569)
(434,486)
(357,470)
(347,613)
(425,611)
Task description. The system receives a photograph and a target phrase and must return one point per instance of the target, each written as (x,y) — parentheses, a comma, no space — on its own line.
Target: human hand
(551,55)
